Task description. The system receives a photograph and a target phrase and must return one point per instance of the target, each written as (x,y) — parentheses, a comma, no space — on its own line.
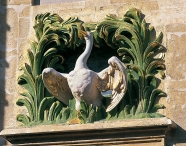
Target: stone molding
(129,132)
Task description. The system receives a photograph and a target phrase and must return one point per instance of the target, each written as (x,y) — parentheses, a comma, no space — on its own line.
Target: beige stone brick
(121,1)
(152,5)
(176,101)
(177,86)
(9,28)
(86,15)
(8,53)
(69,7)
(15,2)
(8,119)
(101,12)
(25,12)
(171,3)
(10,17)
(80,4)
(97,3)
(55,8)
(175,27)
(24,25)
(22,52)
(144,7)
(40,10)
(175,56)
(10,85)
(8,65)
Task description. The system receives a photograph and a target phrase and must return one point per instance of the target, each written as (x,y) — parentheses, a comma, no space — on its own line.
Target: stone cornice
(129,131)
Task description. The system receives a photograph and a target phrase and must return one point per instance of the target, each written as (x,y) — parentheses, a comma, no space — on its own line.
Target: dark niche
(97,61)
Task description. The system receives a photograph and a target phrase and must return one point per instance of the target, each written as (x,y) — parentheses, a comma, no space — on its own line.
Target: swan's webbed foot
(76,120)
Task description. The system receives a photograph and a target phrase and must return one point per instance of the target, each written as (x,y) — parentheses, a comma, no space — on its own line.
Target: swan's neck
(82,60)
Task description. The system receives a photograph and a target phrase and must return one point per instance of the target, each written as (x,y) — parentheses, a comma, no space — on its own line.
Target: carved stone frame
(120,132)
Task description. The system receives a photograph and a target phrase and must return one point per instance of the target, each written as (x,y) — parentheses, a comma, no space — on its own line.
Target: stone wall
(14,15)
(168,16)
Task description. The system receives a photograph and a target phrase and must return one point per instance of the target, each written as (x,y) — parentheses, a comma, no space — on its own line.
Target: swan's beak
(84,33)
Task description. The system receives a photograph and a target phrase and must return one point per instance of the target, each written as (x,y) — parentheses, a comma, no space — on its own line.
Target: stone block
(9,28)
(122,1)
(135,132)
(166,4)
(148,5)
(78,4)
(86,14)
(176,27)
(8,67)
(175,56)
(22,53)
(25,12)
(15,2)
(55,8)
(10,52)
(145,7)
(10,85)
(97,3)
(101,12)
(40,10)
(58,1)
(7,111)
(24,25)
(177,101)
(67,6)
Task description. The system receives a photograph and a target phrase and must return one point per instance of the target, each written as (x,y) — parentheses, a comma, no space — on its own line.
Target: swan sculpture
(85,84)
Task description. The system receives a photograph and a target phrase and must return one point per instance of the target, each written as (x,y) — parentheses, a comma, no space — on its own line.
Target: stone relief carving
(130,36)
(85,84)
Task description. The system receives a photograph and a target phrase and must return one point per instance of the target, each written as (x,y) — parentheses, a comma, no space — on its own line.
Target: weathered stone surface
(79,4)
(148,5)
(8,67)
(25,12)
(121,1)
(58,1)
(22,53)
(62,6)
(97,3)
(7,105)
(166,15)
(175,58)
(121,132)
(101,12)
(10,85)
(175,27)
(15,2)
(24,25)
(39,10)
(87,14)
(9,30)
(9,52)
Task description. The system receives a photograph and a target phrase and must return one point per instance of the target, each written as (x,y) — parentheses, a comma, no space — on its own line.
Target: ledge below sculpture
(129,132)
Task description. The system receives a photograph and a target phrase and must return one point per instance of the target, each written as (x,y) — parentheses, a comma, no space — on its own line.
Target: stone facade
(168,16)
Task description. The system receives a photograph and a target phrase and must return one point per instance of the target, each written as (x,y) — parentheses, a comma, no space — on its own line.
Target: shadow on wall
(36,2)
(176,136)
(3,64)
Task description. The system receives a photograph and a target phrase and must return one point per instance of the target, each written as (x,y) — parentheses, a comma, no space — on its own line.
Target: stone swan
(83,83)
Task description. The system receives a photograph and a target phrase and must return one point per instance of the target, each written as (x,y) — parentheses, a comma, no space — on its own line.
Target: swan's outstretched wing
(56,83)
(113,78)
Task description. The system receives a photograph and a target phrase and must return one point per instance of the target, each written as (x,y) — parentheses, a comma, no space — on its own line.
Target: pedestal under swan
(85,84)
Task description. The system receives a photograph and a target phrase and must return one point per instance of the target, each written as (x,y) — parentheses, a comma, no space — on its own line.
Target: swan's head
(87,35)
